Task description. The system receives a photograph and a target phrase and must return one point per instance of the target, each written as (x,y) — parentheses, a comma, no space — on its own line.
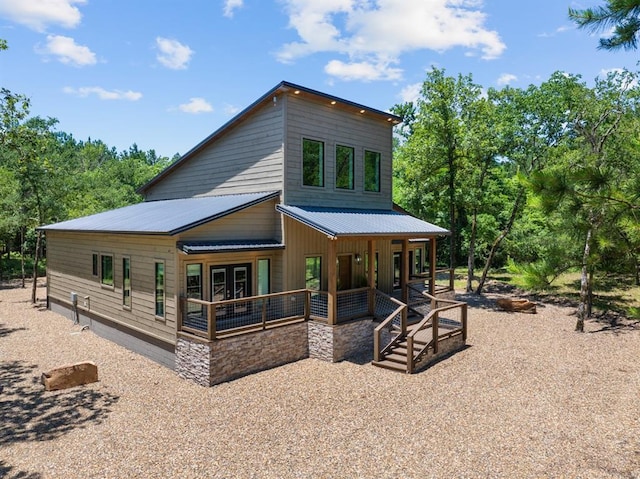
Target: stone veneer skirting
(446,346)
(337,342)
(212,362)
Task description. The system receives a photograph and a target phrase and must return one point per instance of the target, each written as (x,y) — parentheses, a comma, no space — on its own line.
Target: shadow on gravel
(29,413)
(6,473)
(6,331)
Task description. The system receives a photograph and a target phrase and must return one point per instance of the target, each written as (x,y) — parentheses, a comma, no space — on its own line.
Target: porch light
(361,111)
(333,102)
(358,258)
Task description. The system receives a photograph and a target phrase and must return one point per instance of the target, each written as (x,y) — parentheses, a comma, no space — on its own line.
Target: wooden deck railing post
(403,320)
(307,304)
(434,327)
(464,322)
(410,358)
(452,279)
(211,321)
(264,313)
(376,345)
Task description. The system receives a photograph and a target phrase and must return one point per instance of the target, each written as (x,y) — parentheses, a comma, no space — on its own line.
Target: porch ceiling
(341,222)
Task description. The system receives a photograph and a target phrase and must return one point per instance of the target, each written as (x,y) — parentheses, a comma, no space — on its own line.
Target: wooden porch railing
(395,322)
(456,325)
(223,318)
(211,320)
(444,280)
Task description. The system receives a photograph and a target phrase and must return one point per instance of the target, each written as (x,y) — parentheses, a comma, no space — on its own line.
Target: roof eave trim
(311,224)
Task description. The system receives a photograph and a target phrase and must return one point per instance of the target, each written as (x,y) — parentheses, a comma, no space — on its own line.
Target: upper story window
(371,171)
(344,167)
(312,162)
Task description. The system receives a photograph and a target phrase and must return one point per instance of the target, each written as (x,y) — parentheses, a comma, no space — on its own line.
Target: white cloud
(38,14)
(378,33)
(230,6)
(173,54)
(103,94)
(411,93)
(506,78)
(362,71)
(68,51)
(231,110)
(196,105)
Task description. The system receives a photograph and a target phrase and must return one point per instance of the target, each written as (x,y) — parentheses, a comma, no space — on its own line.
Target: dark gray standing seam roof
(336,222)
(165,217)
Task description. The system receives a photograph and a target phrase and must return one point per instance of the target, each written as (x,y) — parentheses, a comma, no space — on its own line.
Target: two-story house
(272,240)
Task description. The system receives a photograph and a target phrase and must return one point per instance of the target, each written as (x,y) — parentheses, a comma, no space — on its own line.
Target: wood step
(401,368)
(396,358)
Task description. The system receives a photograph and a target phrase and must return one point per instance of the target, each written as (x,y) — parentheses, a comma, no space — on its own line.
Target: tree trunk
(472,251)
(503,234)
(585,286)
(23,274)
(36,259)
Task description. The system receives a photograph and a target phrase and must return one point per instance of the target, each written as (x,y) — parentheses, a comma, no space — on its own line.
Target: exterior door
(230,282)
(345,272)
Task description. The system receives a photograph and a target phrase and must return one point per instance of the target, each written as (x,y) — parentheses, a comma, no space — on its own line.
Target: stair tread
(390,365)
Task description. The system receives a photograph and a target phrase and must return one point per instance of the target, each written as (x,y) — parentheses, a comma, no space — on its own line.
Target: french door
(230,282)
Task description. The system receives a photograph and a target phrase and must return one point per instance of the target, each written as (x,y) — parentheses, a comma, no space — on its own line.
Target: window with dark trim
(95,269)
(194,287)
(106,269)
(312,162)
(159,289)
(264,276)
(344,167)
(126,282)
(371,171)
(313,272)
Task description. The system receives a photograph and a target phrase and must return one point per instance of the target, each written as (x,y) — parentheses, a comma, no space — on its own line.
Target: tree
(623,16)
(593,186)
(429,161)
(532,128)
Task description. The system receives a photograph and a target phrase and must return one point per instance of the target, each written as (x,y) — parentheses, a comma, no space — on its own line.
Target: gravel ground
(529,397)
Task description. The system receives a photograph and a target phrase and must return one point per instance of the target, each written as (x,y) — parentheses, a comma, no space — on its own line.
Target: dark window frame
(377,158)
(313,176)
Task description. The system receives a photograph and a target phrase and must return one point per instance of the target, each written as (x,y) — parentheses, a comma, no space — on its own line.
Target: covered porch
(357,283)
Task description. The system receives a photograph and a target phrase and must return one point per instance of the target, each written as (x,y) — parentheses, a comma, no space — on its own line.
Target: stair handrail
(402,310)
(433,320)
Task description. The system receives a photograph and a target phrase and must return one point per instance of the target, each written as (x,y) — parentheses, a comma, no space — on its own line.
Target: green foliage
(622,17)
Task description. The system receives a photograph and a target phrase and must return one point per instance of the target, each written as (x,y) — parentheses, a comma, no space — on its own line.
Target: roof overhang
(207,247)
(348,223)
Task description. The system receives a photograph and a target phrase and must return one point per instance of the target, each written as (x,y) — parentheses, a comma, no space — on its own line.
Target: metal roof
(198,247)
(165,217)
(337,222)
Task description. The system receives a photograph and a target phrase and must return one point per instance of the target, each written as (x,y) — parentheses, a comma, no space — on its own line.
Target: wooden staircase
(394,357)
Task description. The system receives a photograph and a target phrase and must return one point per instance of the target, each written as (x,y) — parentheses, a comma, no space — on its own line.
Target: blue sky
(164,74)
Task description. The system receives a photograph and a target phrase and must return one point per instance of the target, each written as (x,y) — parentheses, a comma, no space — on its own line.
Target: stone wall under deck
(213,362)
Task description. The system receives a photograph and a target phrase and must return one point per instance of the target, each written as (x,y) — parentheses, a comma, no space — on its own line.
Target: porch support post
(432,266)
(371,274)
(404,280)
(332,282)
